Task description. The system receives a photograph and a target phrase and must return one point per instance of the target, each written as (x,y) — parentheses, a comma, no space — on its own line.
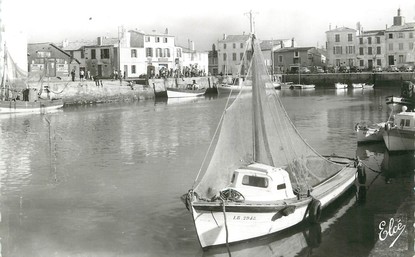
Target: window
(166,52)
(337,62)
(179,52)
(400,46)
(158,52)
(350,37)
(105,53)
(242,45)
(390,35)
(157,39)
(133,71)
(234,57)
(402,123)
(234,45)
(369,50)
(400,35)
(350,50)
(93,54)
(133,53)
(337,38)
(362,63)
(390,46)
(42,54)
(379,62)
(361,41)
(224,56)
(411,34)
(224,46)
(407,123)
(361,51)
(149,52)
(241,56)
(255,181)
(281,186)
(164,40)
(377,40)
(401,59)
(82,54)
(337,50)
(369,40)
(147,39)
(280,58)
(296,54)
(378,50)
(411,45)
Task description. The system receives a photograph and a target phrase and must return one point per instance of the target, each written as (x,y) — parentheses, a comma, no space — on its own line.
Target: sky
(203,22)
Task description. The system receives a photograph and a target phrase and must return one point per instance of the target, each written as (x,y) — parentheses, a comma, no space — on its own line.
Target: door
(370,64)
(51,68)
(391,60)
(100,71)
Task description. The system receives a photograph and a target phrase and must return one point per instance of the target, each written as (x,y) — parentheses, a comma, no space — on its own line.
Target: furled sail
(256,128)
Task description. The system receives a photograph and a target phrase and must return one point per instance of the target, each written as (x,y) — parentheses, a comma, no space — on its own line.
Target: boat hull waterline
(184,93)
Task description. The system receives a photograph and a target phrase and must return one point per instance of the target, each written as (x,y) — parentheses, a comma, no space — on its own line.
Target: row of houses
(133,54)
(392,46)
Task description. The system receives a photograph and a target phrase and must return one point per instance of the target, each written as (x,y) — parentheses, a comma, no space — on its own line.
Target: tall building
(231,50)
(341,46)
(371,49)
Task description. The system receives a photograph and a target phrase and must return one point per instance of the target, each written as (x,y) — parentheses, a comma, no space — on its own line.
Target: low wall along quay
(329,79)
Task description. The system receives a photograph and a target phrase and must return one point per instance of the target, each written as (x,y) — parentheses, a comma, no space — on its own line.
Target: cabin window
(402,123)
(255,181)
(281,186)
(407,123)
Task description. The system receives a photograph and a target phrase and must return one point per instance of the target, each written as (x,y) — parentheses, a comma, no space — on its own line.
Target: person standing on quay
(81,75)
(73,74)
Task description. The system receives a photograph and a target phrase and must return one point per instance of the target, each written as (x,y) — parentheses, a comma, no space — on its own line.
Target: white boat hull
(340,86)
(9,107)
(184,93)
(370,134)
(399,140)
(243,224)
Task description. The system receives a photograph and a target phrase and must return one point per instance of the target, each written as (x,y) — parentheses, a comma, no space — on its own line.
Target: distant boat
(400,136)
(340,85)
(302,86)
(357,85)
(367,86)
(261,177)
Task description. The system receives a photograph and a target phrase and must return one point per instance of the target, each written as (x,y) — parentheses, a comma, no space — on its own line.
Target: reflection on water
(105,180)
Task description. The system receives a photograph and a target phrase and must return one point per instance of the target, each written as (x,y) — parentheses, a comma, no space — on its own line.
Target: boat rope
(226,226)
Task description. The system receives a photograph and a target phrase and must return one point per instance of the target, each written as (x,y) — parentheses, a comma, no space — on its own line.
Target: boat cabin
(259,182)
(405,121)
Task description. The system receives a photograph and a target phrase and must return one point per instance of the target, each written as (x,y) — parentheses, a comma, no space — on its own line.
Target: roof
(372,33)
(268,44)
(341,29)
(406,26)
(75,45)
(291,49)
(235,38)
(32,47)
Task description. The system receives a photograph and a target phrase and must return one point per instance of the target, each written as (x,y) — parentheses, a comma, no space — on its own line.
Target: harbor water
(106,180)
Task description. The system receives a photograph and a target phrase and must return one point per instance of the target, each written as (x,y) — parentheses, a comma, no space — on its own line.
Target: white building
(231,50)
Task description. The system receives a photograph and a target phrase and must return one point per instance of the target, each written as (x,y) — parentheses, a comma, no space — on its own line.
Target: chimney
(99,41)
(292,42)
(166,31)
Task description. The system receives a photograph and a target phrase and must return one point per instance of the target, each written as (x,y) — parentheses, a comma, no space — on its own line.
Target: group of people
(82,75)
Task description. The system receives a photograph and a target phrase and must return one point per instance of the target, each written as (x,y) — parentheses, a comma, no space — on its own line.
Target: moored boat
(40,106)
(400,136)
(179,92)
(303,86)
(339,85)
(357,85)
(259,181)
(369,132)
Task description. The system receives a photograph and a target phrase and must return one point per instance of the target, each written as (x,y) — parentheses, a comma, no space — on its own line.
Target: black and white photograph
(207,128)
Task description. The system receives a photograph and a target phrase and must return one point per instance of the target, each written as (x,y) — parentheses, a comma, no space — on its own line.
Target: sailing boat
(299,85)
(16,96)
(262,176)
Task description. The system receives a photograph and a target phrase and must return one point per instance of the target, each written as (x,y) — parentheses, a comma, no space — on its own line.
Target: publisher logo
(391,232)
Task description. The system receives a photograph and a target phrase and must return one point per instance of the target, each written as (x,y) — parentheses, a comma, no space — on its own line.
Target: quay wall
(329,79)
(86,92)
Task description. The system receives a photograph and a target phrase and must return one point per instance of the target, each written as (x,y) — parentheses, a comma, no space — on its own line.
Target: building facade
(291,59)
(371,49)
(213,61)
(231,54)
(268,47)
(341,47)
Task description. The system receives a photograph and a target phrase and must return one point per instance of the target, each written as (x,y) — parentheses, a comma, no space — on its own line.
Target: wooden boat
(340,85)
(302,86)
(16,96)
(179,92)
(40,106)
(258,180)
(357,85)
(400,136)
(369,132)
(368,86)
